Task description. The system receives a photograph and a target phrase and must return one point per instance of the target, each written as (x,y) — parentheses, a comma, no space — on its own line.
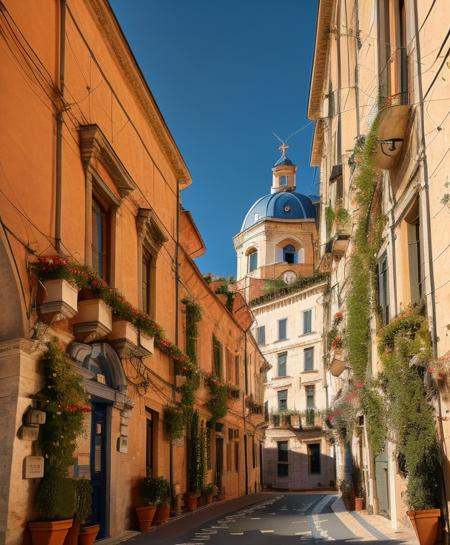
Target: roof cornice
(121,52)
(324,14)
(317,144)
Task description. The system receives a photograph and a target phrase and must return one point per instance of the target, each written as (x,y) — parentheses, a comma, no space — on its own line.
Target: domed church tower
(277,242)
(278,234)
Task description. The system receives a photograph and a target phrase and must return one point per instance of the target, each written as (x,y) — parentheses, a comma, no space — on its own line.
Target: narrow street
(279,519)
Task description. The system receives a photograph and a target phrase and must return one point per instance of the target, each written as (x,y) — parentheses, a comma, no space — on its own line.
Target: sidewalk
(186,522)
(373,527)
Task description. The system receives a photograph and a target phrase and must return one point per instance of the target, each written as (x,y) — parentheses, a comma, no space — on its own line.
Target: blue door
(98,466)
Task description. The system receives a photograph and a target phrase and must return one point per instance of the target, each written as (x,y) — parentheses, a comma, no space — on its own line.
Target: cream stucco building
(385,61)
(275,269)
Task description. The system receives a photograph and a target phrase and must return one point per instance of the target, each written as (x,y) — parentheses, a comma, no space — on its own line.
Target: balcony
(60,300)
(395,110)
(93,321)
(308,420)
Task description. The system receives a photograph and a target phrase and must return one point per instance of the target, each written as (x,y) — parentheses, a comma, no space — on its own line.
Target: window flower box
(146,343)
(60,300)
(123,337)
(93,321)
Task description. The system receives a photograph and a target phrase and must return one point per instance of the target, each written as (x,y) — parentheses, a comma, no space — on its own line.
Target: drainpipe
(59,126)
(177,302)
(430,249)
(245,418)
(358,121)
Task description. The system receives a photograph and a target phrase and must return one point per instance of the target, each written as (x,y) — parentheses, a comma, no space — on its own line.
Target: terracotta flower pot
(145,516)
(72,534)
(49,533)
(88,534)
(427,525)
(359,503)
(162,514)
(191,501)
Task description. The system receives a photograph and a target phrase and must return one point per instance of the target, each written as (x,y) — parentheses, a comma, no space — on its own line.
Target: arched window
(289,254)
(252,261)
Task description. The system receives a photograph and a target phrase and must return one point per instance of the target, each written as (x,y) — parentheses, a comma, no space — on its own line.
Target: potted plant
(83,510)
(192,500)
(151,487)
(209,491)
(65,402)
(56,505)
(88,532)
(163,508)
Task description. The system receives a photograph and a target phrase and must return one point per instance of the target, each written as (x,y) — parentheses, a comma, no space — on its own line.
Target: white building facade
(275,270)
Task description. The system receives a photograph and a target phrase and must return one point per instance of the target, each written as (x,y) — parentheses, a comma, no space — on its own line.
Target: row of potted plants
(88,285)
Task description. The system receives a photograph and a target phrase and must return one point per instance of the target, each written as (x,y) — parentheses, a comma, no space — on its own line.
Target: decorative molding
(325,11)
(151,231)
(95,146)
(120,51)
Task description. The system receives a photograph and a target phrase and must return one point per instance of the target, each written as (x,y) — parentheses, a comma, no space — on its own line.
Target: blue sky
(226,74)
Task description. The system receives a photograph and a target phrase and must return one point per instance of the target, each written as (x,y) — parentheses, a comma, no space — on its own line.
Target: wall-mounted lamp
(392,145)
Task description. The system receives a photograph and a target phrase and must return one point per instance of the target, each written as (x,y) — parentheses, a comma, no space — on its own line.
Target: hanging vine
(405,349)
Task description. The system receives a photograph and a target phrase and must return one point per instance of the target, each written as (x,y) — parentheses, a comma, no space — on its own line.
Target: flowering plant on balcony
(337,342)
(439,369)
(338,317)
(57,267)
(233,392)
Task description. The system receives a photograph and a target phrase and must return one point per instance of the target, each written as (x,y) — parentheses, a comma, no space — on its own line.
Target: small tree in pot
(163,507)
(83,510)
(151,491)
(64,400)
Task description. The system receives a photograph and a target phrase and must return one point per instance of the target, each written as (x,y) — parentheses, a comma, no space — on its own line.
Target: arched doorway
(106,383)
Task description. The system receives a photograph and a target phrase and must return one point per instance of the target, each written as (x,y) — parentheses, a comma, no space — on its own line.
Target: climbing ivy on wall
(405,348)
(362,264)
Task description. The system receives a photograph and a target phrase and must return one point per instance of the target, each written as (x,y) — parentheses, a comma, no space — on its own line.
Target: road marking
(255,518)
(236,533)
(350,522)
(267,531)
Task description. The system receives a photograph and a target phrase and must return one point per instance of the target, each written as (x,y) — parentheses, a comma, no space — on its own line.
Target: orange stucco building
(90,171)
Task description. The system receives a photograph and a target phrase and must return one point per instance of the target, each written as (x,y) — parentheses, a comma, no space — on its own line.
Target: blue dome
(285,205)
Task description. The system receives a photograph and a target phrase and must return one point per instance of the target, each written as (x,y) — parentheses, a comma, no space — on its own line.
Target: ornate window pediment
(95,146)
(150,230)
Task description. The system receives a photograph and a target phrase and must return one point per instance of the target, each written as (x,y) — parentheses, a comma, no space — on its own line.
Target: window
(308,359)
(289,254)
(383,289)
(261,335)
(252,261)
(283,459)
(229,461)
(266,411)
(100,239)
(310,405)
(283,180)
(282,400)
(150,442)
(414,253)
(229,366)
(310,394)
(314,457)
(282,359)
(282,326)
(217,358)
(236,456)
(146,282)
(253,452)
(208,448)
(307,321)
(237,370)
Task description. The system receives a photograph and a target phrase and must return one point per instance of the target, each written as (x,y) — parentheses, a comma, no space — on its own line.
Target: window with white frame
(282,329)
(307,321)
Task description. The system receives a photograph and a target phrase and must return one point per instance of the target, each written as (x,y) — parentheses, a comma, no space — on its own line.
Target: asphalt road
(283,519)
